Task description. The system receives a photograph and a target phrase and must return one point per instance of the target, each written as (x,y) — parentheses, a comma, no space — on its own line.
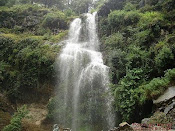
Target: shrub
(170,74)
(59,37)
(115,41)
(131,17)
(6,48)
(117,60)
(164,58)
(156,87)
(116,18)
(104,28)
(69,12)
(168,5)
(125,102)
(137,58)
(55,21)
(144,38)
(27,64)
(121,18)
(149,19)
(15,123)
(129,7)
(124,94)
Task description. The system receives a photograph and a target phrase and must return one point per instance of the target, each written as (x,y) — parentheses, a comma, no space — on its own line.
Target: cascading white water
(84,99)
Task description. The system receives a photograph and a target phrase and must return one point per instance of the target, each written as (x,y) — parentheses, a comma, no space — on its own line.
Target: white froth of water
(85,79)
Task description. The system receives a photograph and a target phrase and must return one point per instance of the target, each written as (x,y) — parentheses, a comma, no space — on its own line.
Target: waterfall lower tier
(83,98)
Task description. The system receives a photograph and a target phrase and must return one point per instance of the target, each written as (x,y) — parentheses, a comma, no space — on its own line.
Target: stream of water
(84,99)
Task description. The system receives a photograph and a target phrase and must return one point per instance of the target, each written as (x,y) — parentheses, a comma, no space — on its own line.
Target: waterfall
(84,101)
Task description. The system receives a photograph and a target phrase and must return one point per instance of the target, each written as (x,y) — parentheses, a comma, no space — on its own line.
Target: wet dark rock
(166,104)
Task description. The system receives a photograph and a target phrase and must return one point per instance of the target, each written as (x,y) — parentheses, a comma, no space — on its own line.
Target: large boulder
(168,94)
(145,122)
(166,102)
(123,127)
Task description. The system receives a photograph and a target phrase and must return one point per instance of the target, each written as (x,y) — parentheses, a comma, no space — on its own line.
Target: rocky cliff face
(163,113)
(166,105)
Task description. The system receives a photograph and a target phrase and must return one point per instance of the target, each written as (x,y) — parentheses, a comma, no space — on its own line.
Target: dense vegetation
(69,6)
(28,34)
(15,123)
(138,40)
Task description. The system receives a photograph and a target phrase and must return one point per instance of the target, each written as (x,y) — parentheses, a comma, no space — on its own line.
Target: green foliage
(131,17)
(149,19)
(160,117)
(129,7)
(24,1)
(104,28)
(139,47)
(116,18)
(54,20)
(117,62)
(157,86)
(164,58)
(119,18)
(144,37)
(168,5)
(51,108)
(6,48)
(15,123)
(80,6)
(59,37)
(125,95)
(115,41)
(11,3)
(69,12)
(27,64)
(137,58)
(129,95)
(32,19)
(27,51)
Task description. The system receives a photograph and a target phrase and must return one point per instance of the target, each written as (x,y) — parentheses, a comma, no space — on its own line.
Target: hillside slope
(138,41)
(29,37)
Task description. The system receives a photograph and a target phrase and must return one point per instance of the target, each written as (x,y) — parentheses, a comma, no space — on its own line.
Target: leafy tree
(164,58)
(80,6)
